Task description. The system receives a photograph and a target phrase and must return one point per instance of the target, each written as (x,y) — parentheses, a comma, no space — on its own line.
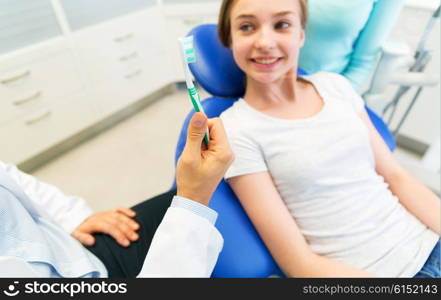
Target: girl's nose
(265,40)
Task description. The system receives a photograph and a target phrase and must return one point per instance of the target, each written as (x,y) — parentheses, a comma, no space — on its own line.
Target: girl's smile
(265,62)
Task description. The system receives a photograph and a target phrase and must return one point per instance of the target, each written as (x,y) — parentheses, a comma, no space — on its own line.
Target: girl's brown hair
(224,22)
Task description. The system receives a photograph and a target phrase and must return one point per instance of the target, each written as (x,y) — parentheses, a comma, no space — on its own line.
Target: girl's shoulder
(336,86)
(240,120)
(328,78)
(235,115)
(232,113)
(331,83)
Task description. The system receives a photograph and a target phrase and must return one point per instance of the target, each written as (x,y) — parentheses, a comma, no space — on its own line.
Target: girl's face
(266,37)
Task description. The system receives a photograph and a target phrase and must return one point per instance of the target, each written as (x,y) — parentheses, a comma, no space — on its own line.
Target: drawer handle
(123,38)
(39,118)
(27,99)
(15,77)
(129,56)
(134,74)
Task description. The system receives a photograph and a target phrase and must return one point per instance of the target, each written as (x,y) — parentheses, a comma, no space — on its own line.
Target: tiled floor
(133,161)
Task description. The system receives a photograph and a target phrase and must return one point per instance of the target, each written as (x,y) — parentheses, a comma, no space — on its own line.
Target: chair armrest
(395,54)
(414,79)
(396,48)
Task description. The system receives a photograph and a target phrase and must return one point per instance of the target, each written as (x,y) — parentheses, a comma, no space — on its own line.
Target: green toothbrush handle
(195,100)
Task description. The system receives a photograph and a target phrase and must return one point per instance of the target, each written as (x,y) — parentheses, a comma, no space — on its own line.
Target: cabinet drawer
(13,106)
(107,48)
(26,86)
(43,128)
(126,59)
(121,46)
(117,93)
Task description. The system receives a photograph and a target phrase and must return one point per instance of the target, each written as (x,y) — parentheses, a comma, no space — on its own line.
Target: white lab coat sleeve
(185,245)
(12,267)
(67,211)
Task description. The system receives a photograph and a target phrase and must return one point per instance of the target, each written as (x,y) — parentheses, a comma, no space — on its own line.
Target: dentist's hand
(199,169)
(117,223)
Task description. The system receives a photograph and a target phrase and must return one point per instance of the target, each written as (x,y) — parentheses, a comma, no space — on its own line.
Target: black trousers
(126,262)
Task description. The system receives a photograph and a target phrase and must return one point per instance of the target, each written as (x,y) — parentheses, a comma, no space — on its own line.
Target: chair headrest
(215,69)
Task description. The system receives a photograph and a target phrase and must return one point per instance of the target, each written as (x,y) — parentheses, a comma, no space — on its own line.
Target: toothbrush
(188,57)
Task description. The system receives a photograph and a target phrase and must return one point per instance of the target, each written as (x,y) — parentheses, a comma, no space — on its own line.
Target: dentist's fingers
(217,131)
(198,173)
(195,134)
(219,141)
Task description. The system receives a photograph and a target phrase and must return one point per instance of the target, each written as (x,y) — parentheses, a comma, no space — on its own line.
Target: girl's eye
(282,25)
(246,27)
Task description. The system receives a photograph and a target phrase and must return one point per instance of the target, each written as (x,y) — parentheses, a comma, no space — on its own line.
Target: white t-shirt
(324,170)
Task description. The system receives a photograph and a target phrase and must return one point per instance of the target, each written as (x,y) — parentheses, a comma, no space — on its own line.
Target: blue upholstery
(382,129)
(228,81)
(243,254)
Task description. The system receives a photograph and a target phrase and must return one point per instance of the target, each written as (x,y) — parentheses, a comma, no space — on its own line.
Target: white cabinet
(44,127)
(66,65)
(124,59)
(52,86)
(36,78)
(41,101)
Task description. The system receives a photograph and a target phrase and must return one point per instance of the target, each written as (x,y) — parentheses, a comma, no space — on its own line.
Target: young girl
(320,186)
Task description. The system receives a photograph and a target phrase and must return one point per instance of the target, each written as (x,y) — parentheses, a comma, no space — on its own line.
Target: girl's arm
(280,233)
(414,196)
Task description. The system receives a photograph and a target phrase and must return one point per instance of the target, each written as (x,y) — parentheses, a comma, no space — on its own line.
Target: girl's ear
(302,38)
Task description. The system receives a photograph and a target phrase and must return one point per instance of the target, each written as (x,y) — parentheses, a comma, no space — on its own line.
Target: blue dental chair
(243,254)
